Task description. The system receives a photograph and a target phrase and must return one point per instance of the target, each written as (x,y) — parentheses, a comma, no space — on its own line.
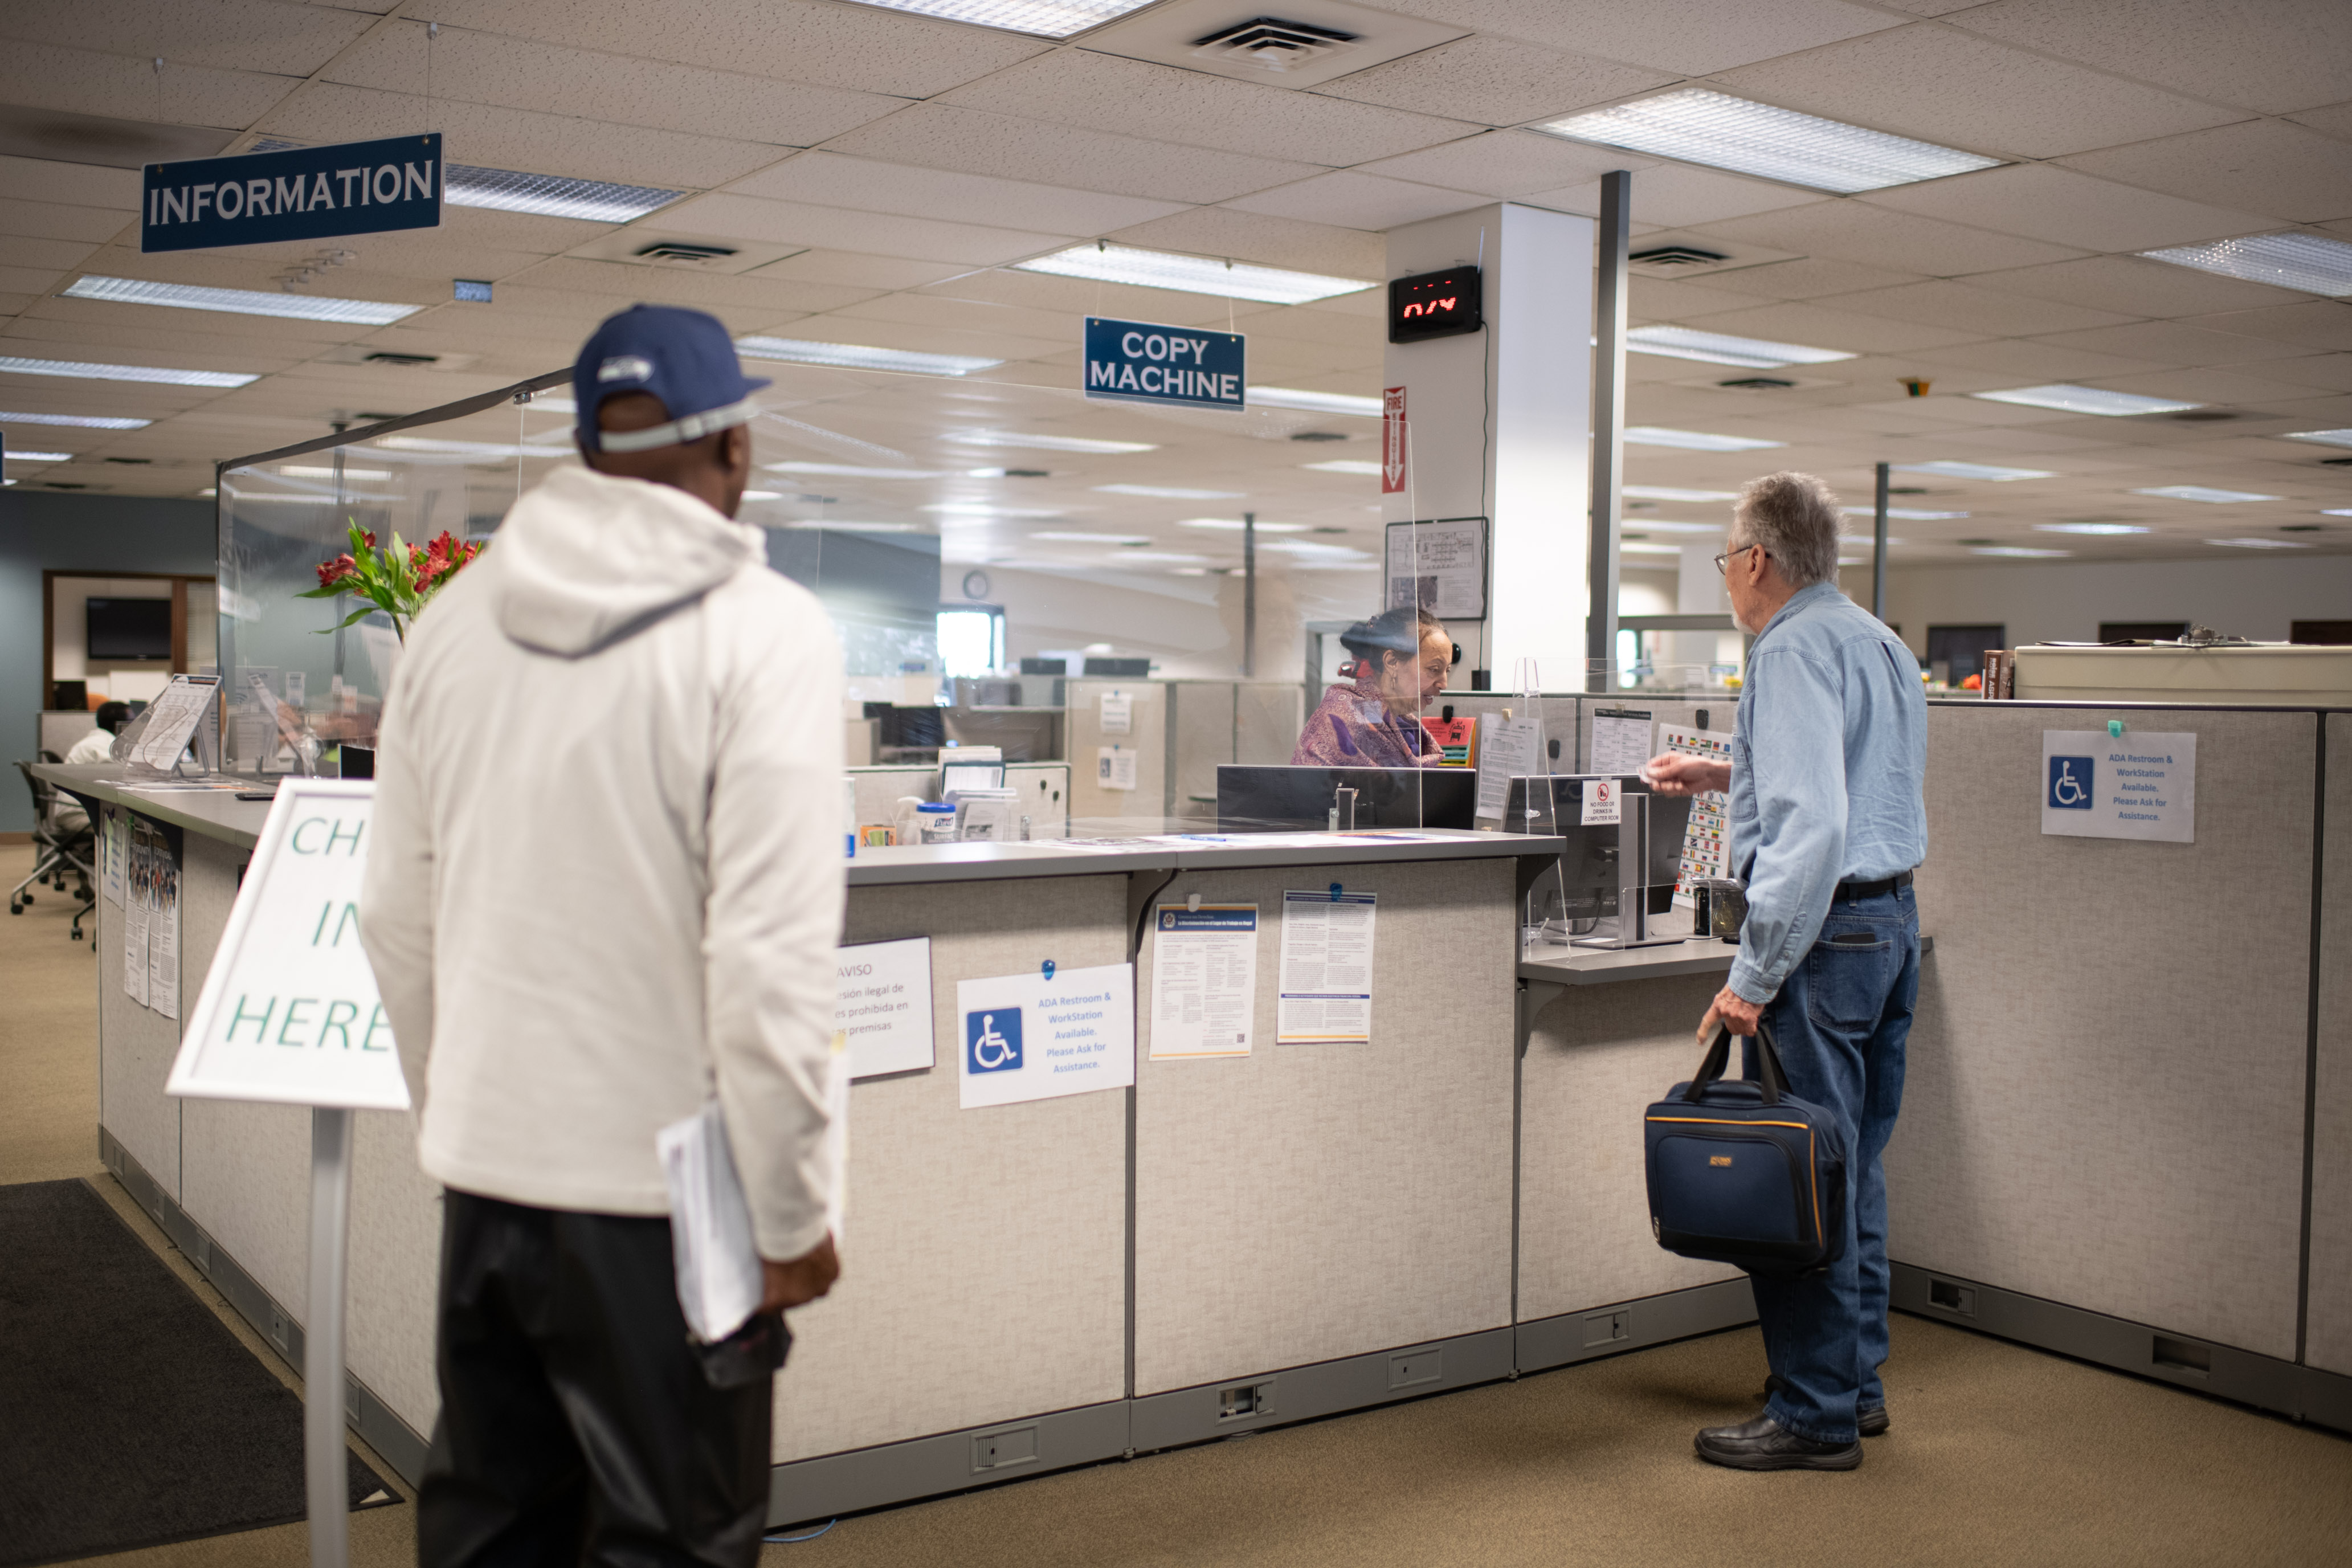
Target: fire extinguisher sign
(1393,451)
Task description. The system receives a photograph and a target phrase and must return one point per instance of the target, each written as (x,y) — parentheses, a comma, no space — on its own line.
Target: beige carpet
(1998,1455)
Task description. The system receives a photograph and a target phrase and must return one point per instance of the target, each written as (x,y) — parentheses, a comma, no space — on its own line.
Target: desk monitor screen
(1252,799)
(1584,886)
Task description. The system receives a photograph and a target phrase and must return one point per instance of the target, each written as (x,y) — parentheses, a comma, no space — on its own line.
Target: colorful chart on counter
(1706,846)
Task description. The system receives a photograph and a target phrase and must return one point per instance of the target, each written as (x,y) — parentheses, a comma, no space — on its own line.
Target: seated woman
(1402,657)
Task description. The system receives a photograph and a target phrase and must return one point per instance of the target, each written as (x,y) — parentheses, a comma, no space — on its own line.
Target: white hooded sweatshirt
(606,877)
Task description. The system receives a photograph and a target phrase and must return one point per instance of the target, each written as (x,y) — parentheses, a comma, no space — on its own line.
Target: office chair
(58,850)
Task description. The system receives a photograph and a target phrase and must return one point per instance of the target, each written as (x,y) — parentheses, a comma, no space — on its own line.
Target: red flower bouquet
(399,581)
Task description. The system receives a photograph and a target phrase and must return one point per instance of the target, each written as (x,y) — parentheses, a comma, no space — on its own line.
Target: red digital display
(1435,305)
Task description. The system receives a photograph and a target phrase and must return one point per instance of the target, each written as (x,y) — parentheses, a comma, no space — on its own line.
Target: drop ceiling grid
(1682,37)
(2043,201)
(833,179)
(84,81)
(1493,80)
(263,36)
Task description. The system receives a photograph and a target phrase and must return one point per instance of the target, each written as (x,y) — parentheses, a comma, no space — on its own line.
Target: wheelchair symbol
(993,1040)
(2070,790)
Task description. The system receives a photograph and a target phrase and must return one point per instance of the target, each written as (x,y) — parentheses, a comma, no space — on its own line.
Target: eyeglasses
(1721,560)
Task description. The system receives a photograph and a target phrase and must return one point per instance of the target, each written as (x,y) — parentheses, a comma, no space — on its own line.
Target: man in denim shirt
(1827,757)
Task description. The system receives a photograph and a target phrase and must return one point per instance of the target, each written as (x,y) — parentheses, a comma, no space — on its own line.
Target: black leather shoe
(1870,1423)
(1764,1444)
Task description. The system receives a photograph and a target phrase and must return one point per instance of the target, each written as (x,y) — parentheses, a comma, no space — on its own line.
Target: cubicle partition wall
(2328,1297)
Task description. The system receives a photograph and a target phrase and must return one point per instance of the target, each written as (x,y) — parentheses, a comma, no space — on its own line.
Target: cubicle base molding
(1634,1325)
(1260,1400)
(2304,1392)
(836,1484)
(368,1416)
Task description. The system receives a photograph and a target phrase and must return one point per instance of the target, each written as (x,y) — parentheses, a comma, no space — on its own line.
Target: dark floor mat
(129,1415)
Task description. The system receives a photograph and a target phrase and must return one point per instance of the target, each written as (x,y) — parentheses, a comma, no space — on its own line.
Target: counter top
(215,813)
(1543,963)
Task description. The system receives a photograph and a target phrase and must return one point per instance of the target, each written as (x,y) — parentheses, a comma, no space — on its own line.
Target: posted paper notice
(1117,713)
(1706,842)
(1326,990)
(1115,767)
(2135,785)
(1620,740)
(1509,750)
(1032,1036)
(882,1001)
(1203,979)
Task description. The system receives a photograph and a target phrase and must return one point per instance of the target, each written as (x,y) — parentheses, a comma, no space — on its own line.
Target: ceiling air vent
(679,252)
(1758,383)
(2205,416)
(384,357)
(1673,255)
(1268,45)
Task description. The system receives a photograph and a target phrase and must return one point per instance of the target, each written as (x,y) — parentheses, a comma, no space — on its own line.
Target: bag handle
(1774,1083)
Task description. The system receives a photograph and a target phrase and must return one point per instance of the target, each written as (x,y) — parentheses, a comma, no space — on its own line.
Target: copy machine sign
(1141,362)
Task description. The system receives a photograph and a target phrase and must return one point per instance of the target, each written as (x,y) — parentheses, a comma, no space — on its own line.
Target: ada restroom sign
(2070,784)
(992,1040)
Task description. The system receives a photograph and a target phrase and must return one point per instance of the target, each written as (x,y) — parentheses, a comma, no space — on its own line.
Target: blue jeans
(1839,1023)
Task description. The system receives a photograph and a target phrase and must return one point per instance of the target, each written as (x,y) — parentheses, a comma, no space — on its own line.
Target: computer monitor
(1584,885)
(1254,799)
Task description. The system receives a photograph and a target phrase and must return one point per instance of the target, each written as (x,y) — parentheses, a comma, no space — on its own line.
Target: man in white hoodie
(606,886)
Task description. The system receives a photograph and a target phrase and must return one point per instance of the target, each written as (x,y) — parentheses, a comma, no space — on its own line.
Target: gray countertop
(1546,964)
(215,813)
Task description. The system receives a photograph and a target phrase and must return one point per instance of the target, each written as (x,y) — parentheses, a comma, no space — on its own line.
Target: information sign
(289,1011)
(1392,448)
(1142,361)
(1039,1036)
(2138,784)
(302,192)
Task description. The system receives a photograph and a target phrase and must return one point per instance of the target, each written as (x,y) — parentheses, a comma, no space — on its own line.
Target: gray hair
(1795,517)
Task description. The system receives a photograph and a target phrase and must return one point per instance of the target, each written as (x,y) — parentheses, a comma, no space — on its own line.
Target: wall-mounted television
(130,628)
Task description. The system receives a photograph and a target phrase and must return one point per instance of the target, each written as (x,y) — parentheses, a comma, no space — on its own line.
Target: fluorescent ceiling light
(124,372)
(2260,544)
(2336,512)
(1315,402)
(2022,550)
(239,302)
(1658,526)
(2304,261)
(2085,400)
(1344,466)
(1044,443)
(1719,348)
(1970,472)
(41,456)
(983,508)
(1639,547)
(1163,492)
(852,471)
(1233,525)
(1159,557)
(1694,440)
(2322,437)
(1059,538)
(1048,18)
(78,421)
(1696,126)
(856,356)
(430,446)
(362,476)
(763,495)
(1191,274)
(550,196)
(2099,528)
(2200,492)
(1906,514)
(1668,492)
(803,523)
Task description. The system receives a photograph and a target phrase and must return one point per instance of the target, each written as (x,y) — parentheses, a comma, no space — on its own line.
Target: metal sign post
(324,1467)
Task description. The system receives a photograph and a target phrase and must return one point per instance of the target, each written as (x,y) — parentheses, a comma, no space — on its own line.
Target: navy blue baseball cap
(683,357)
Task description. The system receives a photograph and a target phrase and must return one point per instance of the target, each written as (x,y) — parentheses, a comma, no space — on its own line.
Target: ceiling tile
(2135,287)
(49,220)
(229,34)
(831,179)
(1352,200)
(52,255)
(2317,325)
(1687,37)
(2268,55)
(1493,81)
(1273,241)
(1673,299)
(2335,120)
(1103,92)
(2043,201)
(81,82)
(1819,326)
(677,286)
(838,228)
(1948,86)
(2178,343)
(501,138)
(73,185)
(1878,237)
(861,48)
(948,312)
(2261,165)
(29,279)
(517,73)
(1807,278)
(2333,372)
(2021,363)
(1676,196)
(1506,164)
(1981,312)
(973,142)
(863,270)
(2212,387)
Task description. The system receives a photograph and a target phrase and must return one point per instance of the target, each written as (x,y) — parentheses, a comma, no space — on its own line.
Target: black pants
(576,1424)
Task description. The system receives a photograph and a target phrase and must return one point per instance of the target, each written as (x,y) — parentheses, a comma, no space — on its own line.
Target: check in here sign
(1143,362)
(289,1011)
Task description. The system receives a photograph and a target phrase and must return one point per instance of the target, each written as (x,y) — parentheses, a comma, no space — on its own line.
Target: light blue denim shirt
(1829,758)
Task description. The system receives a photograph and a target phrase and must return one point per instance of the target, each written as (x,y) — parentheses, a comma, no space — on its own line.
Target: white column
(1500,426)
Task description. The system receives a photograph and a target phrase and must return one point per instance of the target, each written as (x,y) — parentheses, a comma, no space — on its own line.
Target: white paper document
(1115,767)
(1203,979)
(113,843)
(134,913)
(1326,990)
(171,718)
(2138,784)
(882,1001)
(1037,1036)
(1620,740)
(719,1277)
(1509,748)
(1117,713)
(162,928)
(1440,566)
(1707,842)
